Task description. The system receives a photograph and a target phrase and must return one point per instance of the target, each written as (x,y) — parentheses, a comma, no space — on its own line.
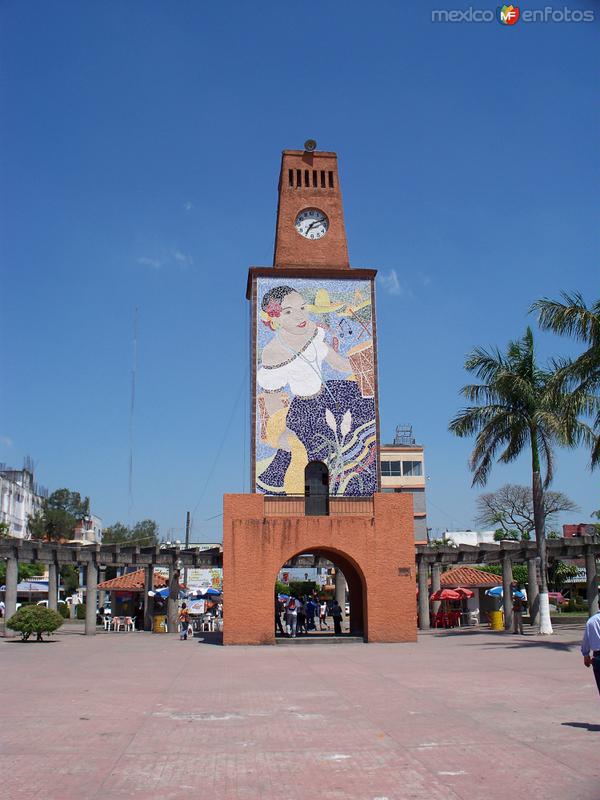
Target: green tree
(143,534)
(34,619)
(572,317)
(519,572)
(26,571)
(60,514)
(4,530)
(519,406)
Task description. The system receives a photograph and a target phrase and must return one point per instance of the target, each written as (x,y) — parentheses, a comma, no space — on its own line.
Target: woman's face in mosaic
(294,317)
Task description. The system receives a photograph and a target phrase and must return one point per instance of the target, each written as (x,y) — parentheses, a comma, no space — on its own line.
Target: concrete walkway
(462,714)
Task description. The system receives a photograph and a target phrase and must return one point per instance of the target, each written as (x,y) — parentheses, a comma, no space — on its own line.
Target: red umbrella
(445,594)
(464,592)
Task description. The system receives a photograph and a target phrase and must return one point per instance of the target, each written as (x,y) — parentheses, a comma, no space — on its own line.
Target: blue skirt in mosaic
(307,419)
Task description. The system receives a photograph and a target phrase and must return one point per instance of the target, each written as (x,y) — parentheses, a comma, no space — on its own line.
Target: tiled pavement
(473,715)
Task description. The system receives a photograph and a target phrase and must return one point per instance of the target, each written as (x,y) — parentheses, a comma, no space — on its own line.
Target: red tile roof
(468,576)
(132,582)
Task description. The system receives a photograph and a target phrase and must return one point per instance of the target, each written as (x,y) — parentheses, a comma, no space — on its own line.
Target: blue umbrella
(498,591)
(210,592)
(165,593)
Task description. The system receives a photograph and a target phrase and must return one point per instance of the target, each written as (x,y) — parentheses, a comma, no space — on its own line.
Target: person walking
(300,607)
(518,608)
(184,620)
(590,644)
(278,610)
(337,614)
(291,614)
(323,616)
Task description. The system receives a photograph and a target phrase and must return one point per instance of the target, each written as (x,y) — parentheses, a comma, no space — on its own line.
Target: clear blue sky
(140,148)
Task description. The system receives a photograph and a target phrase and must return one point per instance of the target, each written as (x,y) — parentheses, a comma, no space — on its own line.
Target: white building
(470,537)
(88,530)
(20,498)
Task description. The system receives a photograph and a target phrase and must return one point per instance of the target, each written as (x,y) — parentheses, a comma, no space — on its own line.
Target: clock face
(312,223)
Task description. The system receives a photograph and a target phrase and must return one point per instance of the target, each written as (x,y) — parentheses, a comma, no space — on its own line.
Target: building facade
(402,467)
(20,498)
(315,426)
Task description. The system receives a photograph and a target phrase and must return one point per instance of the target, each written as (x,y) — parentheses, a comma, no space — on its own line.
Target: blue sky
(139,159)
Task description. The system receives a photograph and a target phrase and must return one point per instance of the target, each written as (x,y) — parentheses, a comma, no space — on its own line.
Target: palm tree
(573,318)
(518,406)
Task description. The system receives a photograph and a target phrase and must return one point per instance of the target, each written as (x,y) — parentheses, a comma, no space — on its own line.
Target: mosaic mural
(315,389)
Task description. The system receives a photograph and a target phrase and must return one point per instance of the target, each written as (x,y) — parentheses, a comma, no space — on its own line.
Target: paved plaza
(468,714)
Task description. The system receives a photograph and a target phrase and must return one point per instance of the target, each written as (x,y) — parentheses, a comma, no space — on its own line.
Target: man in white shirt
(591,645)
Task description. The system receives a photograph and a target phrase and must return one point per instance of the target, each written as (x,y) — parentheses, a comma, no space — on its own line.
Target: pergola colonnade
(507,552)
(429,561)
(96,557)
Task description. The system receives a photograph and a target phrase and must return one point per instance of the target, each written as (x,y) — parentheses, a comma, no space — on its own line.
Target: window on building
(411,469)
(390,468)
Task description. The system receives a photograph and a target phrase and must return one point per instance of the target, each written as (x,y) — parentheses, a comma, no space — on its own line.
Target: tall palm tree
(518,406)
(572,317)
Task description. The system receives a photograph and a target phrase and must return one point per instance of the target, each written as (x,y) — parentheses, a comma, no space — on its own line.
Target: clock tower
(309,192)
(315,425)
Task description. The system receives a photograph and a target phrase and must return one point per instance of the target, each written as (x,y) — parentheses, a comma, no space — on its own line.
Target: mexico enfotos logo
(509,15)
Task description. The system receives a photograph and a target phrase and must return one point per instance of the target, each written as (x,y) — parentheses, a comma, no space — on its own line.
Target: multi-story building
(20,498)
(403,470)
(88,530)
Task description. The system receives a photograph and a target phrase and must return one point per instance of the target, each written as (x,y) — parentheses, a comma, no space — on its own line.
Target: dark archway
(316,489)
(357,588)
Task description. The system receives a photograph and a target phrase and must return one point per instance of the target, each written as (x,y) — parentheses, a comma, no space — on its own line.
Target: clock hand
(312,225)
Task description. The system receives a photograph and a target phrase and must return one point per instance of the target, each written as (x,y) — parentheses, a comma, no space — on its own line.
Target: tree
(511,507)
(143,534)
(573,318)
(4,530)
(34,619)
(26,571)
(518,407)
(60,514)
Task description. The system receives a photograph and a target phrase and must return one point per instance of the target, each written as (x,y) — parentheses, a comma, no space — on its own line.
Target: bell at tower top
(310,228)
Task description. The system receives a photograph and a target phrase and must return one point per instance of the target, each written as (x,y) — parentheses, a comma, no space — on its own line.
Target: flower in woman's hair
(330,420)
(346,423)
(273,308)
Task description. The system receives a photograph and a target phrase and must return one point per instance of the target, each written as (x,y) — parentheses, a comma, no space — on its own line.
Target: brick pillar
(172,605)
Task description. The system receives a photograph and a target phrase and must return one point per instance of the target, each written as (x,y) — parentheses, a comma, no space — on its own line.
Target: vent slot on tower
(291,177)
(331,180)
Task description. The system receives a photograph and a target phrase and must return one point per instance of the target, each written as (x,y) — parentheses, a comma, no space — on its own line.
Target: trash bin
(496,621)
(160,623)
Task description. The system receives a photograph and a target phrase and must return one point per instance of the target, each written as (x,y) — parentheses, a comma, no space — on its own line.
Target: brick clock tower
(315,425)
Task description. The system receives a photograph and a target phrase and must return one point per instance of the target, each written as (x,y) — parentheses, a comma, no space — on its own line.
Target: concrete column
(423,572)
(507,577)
(148,601)
(591,576)
(101,592)
(53,586)
(340,588)
(533,599)
(91,597)
(436,575)
(172,606)
(10,598)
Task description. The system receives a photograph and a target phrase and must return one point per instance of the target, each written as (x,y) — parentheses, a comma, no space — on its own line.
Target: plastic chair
(129,624)
(117,622)
(106,621)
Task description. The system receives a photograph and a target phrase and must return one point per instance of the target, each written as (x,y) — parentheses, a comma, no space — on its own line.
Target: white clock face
(312,223)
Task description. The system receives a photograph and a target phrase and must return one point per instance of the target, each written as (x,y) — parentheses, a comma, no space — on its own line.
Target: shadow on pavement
(509,640)
(206,637)
(589,726)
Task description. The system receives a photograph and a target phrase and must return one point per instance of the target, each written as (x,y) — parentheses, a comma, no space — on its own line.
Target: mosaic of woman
(305,417)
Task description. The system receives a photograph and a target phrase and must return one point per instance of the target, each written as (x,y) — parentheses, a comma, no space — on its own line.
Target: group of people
(300,615)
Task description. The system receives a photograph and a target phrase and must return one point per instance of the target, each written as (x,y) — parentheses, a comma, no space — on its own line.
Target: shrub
(63,610)
(80,612)
(34,619)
